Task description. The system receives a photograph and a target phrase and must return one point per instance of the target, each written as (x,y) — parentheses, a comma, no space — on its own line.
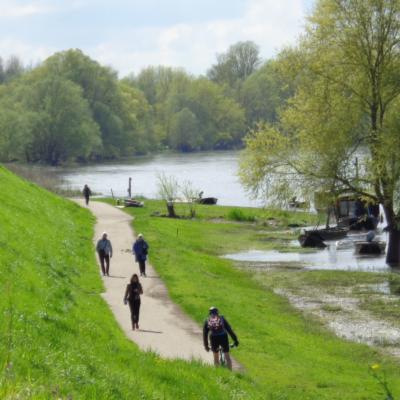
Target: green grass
(58,338)
(287,354)
(238,214)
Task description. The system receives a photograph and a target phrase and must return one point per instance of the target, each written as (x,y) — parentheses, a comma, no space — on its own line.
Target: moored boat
(373,247)
(133,203)
(207,200)
(334,233)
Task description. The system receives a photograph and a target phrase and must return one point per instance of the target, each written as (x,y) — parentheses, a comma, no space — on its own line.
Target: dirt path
(164,328)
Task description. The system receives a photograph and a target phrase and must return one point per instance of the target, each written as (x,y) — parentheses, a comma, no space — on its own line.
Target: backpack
(215,324)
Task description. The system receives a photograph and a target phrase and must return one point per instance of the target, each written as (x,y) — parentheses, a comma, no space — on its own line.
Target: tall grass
(43,176)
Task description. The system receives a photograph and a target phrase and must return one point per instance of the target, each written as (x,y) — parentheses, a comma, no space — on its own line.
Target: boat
(334,233)
(294,203)
(356,213)
(311,239)
(373,247)
(207,200)
(133,203)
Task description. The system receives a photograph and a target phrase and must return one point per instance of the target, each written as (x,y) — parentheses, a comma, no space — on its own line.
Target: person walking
(217,328)
(104,250)
(140,248)
(132,297)
(86,193)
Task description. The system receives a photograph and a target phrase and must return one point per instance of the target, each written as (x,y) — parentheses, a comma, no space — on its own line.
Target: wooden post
(130,188)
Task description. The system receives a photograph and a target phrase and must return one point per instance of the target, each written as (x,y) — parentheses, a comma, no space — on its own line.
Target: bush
(236,214)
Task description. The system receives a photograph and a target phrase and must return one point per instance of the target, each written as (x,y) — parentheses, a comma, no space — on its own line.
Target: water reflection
(330,258)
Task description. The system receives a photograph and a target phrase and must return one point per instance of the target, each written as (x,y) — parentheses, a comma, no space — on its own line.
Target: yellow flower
(375,367)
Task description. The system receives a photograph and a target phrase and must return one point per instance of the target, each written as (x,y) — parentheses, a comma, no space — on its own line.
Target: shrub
(236,214)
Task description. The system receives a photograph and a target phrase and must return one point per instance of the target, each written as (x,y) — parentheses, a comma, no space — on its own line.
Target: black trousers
(87,200)
(142,267)
(135,307)
(104,263)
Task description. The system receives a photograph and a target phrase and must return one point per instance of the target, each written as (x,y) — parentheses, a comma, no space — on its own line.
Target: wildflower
(375,367)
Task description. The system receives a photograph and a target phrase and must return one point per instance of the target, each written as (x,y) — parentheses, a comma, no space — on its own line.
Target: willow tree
(346,108)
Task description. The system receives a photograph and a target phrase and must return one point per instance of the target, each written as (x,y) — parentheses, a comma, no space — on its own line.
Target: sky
(129,35)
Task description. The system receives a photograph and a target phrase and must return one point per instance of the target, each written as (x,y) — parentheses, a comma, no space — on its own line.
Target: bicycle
(222,360)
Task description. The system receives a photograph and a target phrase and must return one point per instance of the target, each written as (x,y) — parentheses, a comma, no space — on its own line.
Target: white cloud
(268,23)
(29,54)
(11,9)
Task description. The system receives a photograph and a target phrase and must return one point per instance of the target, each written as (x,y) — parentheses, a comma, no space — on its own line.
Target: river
(214,173)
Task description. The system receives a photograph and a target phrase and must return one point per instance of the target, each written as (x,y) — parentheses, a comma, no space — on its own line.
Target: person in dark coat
(104,250)
(216,327)
(132,297)
(86,193)
(140,248)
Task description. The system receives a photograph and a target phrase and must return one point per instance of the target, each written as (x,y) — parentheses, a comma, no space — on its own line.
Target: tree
(13,69)
(183,131)
(347,72)
(168,189)
(190,194)
(136,116)
(239,62)
(101,90)
(62,127)
(15,131)
(263,93)
(220,118)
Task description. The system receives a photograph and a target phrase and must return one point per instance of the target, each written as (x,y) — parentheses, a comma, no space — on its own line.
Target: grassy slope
(290,356)
(58,338)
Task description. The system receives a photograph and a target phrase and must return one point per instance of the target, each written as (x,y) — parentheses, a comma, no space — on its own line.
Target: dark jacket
(86,191)
(226,329)
(140,248)
(133,292)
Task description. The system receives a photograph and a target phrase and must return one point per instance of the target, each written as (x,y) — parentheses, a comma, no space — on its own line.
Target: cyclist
(217,327)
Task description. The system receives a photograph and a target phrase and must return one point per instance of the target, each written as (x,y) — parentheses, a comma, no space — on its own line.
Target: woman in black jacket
(132,296)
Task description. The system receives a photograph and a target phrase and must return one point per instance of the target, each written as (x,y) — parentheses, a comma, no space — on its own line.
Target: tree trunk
(393,250)
(171,210)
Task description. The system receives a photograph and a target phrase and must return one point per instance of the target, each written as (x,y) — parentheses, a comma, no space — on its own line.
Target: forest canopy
(71,108)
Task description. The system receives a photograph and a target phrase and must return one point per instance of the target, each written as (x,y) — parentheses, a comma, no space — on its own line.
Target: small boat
(373,247)
(294,203)
(207,200)
(133,203)
(311,239)
(334,233)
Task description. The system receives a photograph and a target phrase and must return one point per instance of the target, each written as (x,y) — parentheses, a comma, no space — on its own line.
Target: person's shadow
(148,331)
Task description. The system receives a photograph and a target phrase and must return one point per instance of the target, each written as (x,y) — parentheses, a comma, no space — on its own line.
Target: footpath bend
(164,328)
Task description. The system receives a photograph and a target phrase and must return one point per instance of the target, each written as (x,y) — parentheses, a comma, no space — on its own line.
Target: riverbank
(287,352)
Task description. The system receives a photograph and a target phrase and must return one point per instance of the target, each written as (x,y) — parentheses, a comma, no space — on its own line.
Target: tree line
(72,108)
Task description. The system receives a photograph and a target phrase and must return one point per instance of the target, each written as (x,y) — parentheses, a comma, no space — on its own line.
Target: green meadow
(287,354)
(59,340)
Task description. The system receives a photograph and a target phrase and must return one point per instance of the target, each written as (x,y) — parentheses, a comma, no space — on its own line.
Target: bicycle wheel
(221,356)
